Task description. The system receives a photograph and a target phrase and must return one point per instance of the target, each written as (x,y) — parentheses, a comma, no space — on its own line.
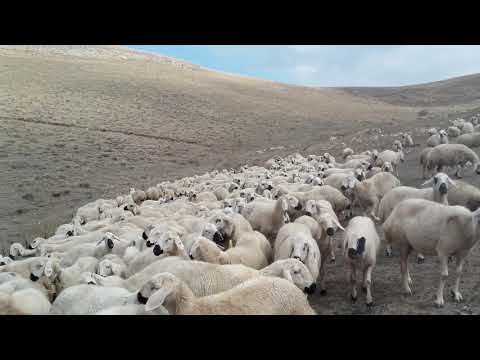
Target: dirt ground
(82,123)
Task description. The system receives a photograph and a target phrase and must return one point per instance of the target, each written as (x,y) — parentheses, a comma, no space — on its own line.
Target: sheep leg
(323,288)
(439,302)
(458,271)
(457,174)
(375,210)
(388,250)
(420,258)
(404,252)
(367,284)
(353,282)
(332,249)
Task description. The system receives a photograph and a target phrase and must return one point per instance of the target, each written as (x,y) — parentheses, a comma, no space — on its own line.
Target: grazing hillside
(79,123)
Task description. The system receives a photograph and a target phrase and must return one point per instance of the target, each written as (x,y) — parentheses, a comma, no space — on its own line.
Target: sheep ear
(428,182)
(157,298)
(451,182)
(179,243)
(286,275)
(284,204)
(338,224)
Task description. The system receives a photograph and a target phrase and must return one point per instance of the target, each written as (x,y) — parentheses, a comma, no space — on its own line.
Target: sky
(330,65)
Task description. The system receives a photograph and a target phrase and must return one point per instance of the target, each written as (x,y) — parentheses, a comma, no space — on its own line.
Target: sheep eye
(435,180)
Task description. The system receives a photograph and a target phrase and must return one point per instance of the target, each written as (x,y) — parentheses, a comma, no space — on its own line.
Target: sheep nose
(110,243)
(33,277)
(91,283)
(144,236)
(125,208)
(443,189)
(218,238)
(69,233)
(308,213)
(157,250)
(330,231)
(311,289)
(298,207)
(141,299)
(149,244)
(343,188)
(191,256)
(352,253)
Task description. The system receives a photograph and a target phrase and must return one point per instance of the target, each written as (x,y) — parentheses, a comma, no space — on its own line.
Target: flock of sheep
(254,240)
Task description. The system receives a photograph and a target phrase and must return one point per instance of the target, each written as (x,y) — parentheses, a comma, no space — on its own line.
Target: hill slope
(83,122)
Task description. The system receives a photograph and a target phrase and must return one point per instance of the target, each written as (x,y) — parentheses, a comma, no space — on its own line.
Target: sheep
(131,309)
(360,245)
(70,276)
(24,302)
(87,299)
(432,229)
(5,260)
(453,132)
(252,249)
(397,145)
(153,193)
(73,254)
(328,223)
(437,139)
(423,161)
(138,196)
(229,228)
(294,240)
(206,196)
(335,197)
(347,152)
(407,140)
(432,131)
(207,279)
(464,194)
(466,127)
(268,216)
(368,193)
(112,265)
(17,251)
(438,193)
(169,244)
(393,157)
(262,295)
(452,155)
(337,180)
(472,140)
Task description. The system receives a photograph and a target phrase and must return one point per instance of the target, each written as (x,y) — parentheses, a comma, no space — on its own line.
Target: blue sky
(329,65)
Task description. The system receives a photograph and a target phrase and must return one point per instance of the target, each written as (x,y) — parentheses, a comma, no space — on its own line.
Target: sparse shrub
(422,113)
(28,197)
(84,185)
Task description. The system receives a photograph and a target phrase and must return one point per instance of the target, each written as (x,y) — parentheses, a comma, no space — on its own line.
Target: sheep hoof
(388,253)
(332,260)
(456,296)
(420,260)
(354,298)
(370,304)
(364,289)
(323,292)
(439,303)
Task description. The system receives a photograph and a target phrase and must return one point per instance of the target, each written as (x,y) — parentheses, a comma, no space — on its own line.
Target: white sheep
(24,302)
(206,279)
(453,132)
(252,249)
(437,139)
(347,152)
(472,140)
(438,193)
(452,155)
(368,193)
(360,245)
(392,157)
(464,194)
(407,140)
(432,229)
(262,295)
(294,240)
(268,216)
